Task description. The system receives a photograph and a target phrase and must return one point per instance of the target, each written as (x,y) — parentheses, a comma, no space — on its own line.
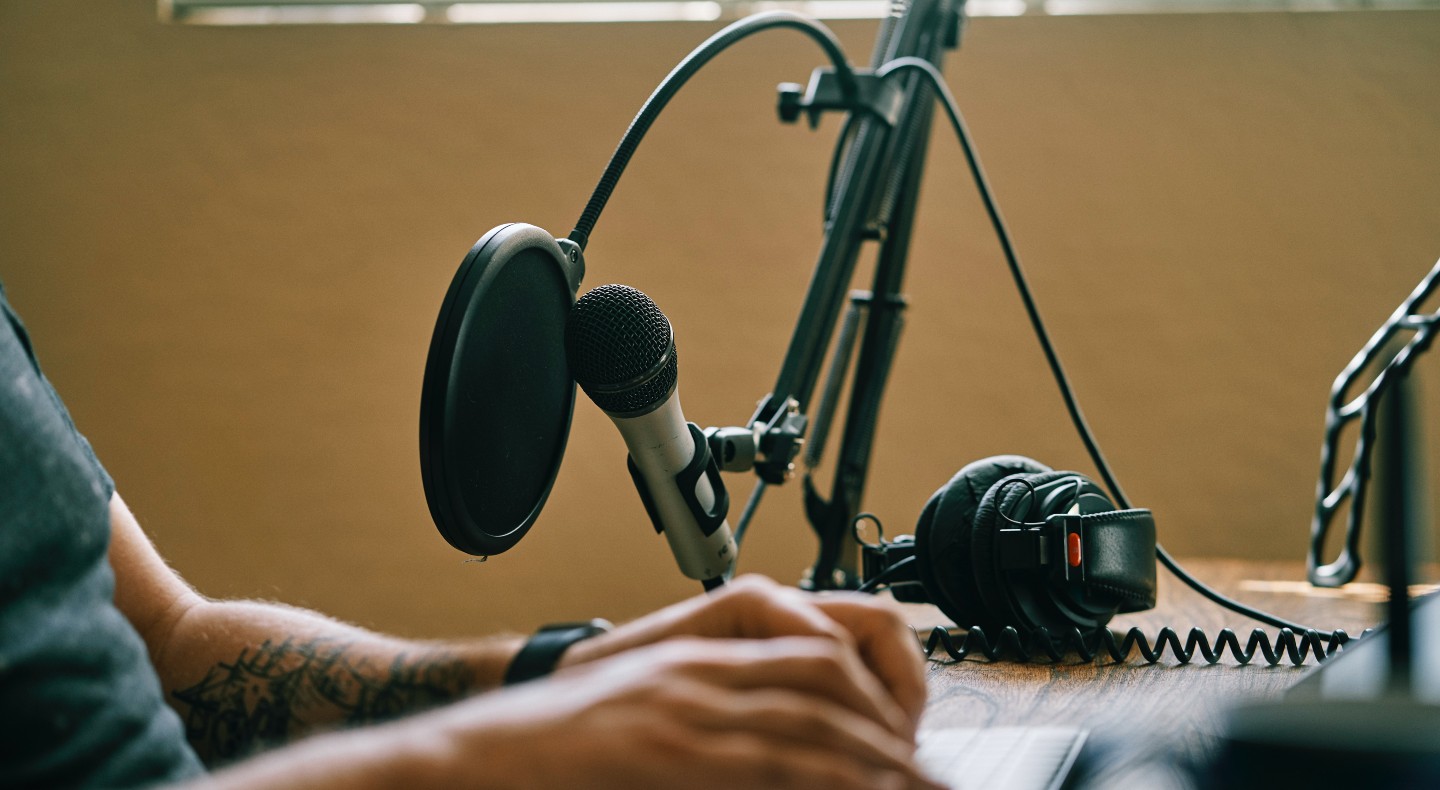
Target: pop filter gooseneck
(681,74)
(497,397)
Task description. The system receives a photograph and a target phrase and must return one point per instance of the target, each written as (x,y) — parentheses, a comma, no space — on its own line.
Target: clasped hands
(754,686)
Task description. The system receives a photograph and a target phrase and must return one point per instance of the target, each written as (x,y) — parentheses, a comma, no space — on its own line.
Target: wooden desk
(1153,716)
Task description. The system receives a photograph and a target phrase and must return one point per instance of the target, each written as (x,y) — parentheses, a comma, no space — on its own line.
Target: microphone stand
(872,197)
(1387,739)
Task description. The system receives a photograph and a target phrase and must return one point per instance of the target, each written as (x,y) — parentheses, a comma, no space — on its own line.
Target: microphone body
(621,350)
(661,446)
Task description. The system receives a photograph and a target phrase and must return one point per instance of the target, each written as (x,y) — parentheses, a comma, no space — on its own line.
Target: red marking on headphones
(1072,543)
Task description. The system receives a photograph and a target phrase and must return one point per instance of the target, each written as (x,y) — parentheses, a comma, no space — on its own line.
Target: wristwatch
(543,651)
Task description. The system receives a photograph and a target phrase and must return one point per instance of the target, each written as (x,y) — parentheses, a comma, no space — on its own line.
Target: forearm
(753,686)
(404,754)
(794,713)
(245,676)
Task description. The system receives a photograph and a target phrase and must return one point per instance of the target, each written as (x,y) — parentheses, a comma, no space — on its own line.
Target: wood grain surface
(1147,721)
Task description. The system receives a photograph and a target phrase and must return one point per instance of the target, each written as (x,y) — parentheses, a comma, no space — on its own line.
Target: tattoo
(275,692)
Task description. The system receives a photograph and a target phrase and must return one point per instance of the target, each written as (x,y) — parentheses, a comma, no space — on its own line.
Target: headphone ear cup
(943,538)
(942,554)
(993,591)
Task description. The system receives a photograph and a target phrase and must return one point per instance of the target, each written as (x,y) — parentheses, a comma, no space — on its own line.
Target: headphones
(1011,542)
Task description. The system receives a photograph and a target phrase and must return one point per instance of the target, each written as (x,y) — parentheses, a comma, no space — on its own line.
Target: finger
(818,667)
(754,607)
(761,608)
(886,645)
(750,607)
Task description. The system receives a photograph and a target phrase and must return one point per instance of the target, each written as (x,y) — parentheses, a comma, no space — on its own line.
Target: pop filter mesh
(620,349)
(497,397)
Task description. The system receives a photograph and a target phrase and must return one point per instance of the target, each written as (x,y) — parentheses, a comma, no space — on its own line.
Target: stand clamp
(879,97)
(779,428)
(768,444)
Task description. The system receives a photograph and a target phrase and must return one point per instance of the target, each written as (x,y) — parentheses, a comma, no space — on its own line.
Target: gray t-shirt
(80,705)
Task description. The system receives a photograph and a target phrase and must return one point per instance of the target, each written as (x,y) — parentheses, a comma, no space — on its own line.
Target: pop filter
(497,398)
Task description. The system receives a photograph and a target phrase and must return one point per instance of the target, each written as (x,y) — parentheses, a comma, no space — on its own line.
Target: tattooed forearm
(275,692)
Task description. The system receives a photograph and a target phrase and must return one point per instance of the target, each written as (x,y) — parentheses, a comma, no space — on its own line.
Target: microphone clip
(703,463)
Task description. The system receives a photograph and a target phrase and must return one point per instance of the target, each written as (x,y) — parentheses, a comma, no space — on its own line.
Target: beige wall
(231,244)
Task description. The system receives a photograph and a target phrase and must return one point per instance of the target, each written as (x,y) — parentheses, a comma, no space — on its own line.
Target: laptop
(1359,671)
(1000,758)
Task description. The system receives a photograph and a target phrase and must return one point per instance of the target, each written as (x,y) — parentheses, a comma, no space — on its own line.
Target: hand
(790,712)
(753,607)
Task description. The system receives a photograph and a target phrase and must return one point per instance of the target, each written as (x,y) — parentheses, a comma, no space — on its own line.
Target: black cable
(680,75)
(1062,381)
(1041,644)
(872,584)
(750,505)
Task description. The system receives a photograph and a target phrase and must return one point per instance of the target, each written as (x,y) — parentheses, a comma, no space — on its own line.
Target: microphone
(621,350)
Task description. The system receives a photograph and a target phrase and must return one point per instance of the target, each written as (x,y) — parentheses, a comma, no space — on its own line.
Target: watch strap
(543,650)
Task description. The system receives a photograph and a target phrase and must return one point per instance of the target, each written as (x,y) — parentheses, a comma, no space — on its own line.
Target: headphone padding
(991,588)
(943,538)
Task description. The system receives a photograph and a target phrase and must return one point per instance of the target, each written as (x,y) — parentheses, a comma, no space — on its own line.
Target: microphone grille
(621,350)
